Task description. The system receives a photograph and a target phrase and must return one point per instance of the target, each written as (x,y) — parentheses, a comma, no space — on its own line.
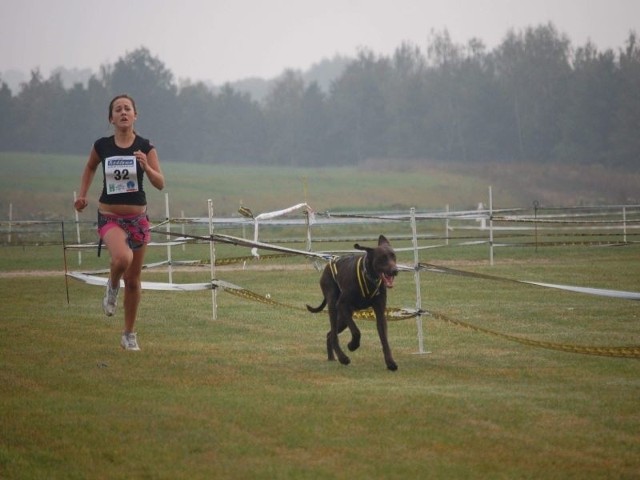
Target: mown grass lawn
(251,395)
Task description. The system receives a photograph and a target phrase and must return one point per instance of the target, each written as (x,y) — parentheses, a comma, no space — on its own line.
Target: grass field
(251,395)
(40,186)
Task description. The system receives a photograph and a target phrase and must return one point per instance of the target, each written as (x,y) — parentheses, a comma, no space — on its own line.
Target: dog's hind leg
(330,356)
(330,353)
(341,321)
(333,343)
(334,331)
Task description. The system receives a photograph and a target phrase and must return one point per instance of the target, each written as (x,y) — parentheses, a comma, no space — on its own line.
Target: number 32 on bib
(121,174)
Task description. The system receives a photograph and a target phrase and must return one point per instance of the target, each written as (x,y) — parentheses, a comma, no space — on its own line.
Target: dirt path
(31,273)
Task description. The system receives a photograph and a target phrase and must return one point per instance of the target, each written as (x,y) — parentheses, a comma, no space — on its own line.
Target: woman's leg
(115,240)
(133,288)
(121,256)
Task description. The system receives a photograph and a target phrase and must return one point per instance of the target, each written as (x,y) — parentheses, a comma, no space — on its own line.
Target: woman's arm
(85,181)
(151,166)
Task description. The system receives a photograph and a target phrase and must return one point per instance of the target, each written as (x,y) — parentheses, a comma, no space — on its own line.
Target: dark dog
(356,282)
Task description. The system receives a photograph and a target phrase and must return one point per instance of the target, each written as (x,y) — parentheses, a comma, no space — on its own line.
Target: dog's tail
(318,309)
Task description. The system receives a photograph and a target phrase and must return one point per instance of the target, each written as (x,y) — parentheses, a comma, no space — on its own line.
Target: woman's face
(123,114)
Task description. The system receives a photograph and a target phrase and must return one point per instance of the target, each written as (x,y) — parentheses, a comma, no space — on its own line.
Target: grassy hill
(41,186)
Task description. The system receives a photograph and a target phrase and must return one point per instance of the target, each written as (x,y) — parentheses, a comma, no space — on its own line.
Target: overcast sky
(227,40)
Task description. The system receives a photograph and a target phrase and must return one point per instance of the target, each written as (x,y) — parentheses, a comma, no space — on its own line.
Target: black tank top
(106,148)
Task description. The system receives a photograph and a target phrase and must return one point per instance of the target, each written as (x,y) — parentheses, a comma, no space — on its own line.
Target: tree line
(534,98)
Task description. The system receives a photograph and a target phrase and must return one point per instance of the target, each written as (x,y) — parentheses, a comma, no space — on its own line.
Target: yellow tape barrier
(247,258)
(632,351)
(394,314)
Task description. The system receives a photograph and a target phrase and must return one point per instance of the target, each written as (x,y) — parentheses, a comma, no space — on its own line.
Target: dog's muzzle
(388,278)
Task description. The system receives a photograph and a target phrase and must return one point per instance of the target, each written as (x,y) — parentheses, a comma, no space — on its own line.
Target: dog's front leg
(354,344)
(381,322)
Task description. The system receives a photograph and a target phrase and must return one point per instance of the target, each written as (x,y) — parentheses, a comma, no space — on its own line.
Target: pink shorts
(136,226)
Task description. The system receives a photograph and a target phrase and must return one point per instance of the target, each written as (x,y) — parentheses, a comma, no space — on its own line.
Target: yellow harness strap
(362,281)
(334,269)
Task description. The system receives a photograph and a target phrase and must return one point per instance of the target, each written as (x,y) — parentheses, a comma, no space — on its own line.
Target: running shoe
(129,341)
(110,299)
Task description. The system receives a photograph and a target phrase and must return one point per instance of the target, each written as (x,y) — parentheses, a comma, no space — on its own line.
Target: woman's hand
(151,166)
(80,204)
(141,158)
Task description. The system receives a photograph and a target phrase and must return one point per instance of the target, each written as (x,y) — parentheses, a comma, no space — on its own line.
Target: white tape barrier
(278,213)
(179,287)
(603,292)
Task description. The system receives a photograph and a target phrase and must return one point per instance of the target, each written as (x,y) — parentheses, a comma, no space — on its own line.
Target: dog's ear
(382,240)
(357,246)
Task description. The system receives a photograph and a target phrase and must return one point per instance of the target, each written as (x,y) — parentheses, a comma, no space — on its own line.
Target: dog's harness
(367,289)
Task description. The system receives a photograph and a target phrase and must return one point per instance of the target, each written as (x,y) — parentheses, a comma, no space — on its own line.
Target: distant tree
(406,104)
(588,120)
(483,107)
(71,76)
(38,107)
(625,138)
(150,83)
(283,114)
(97,114)
(141,74)
(444,130)
(313,129)
(77,131)
(196,125)
(357,106)
(534,68)
(256,88)
(532,98)
(511,72)
(239,135)
(325,72)
(7,126)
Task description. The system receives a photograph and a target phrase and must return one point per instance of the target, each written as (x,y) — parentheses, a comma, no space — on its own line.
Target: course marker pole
(490,227)
(168,229)
(446,226)
(77,229)
(10,220)
(212,255)
(416,278)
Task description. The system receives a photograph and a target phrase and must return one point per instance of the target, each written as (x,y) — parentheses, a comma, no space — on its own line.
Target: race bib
(120,174)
